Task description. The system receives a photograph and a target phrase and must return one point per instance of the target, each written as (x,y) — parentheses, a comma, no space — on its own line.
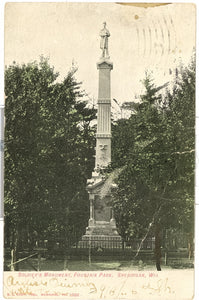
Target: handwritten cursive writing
(52,284)
(160,286)
(121,287)
(11,281)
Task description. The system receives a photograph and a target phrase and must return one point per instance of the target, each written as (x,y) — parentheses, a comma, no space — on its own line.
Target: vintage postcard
(98,150)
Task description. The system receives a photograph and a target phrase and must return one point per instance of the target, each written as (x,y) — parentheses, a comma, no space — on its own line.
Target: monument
(101,231)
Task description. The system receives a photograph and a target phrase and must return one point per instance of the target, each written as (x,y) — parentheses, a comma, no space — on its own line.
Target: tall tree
(49,149)
(155,186)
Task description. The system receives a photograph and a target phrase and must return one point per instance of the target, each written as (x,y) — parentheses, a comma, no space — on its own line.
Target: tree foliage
(155,147)
(49,152)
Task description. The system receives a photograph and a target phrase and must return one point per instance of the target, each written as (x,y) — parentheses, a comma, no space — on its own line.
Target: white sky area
(154,38)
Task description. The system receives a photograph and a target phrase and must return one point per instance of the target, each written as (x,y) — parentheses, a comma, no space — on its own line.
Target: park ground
(84,265)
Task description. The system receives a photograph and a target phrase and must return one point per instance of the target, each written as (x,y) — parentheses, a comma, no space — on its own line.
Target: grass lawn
(83,265)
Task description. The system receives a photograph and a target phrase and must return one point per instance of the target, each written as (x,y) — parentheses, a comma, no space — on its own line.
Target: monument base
(100,242)
(101,231)
(100,234)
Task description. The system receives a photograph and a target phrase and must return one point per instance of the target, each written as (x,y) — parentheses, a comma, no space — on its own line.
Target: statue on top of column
(104,33)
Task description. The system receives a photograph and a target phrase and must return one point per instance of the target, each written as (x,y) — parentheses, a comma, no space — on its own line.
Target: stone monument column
(103,136)
(101,230)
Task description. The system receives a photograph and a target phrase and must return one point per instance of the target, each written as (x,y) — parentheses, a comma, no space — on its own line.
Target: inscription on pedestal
(102,210)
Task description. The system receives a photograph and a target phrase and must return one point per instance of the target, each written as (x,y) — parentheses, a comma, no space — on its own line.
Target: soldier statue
(104,33)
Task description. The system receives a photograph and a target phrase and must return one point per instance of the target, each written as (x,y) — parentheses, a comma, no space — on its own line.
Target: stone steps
(101,241)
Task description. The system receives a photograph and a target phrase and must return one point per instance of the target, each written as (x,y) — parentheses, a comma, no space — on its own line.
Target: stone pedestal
(101,231)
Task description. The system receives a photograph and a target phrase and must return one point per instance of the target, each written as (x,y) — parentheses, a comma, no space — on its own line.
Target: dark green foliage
(49,152)
(155,148)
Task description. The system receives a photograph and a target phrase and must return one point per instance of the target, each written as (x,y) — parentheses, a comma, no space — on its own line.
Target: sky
(154,38)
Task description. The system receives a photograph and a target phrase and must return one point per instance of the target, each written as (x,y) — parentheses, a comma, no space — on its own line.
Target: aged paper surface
(100,285)
(141,38)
